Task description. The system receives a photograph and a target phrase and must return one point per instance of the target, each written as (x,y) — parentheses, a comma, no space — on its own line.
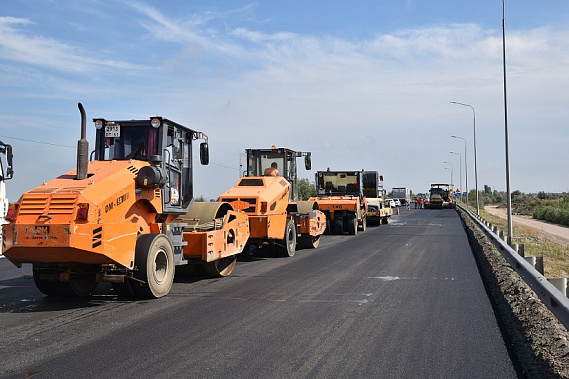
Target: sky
(366,84)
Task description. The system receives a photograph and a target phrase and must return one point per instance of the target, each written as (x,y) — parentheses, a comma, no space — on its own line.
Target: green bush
(556,215)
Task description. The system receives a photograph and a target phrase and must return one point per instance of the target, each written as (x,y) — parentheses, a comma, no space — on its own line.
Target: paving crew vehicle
(6,172)
(127,217)
(377,212)
(268,194)
(441,196)
(340,196)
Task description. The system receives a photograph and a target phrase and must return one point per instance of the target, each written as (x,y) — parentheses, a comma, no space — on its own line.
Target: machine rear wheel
(287,246)
(83,284)
(221,267)
(154,260)
(123,290)
(352,225)
(339,225)
(50,287)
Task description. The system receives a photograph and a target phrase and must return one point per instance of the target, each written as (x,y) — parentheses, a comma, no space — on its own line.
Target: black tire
(50,287)
(83,284)
(154,266)
(123,290)
(352,225)
(328,229)
(287,246)
(338,225)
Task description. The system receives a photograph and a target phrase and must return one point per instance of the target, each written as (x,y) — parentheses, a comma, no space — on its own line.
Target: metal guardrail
(553,299)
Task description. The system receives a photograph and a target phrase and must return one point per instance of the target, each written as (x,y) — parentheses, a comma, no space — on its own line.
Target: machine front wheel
(154,261)
(287,246)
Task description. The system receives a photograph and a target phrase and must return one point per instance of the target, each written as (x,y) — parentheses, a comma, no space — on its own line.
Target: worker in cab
(273,170)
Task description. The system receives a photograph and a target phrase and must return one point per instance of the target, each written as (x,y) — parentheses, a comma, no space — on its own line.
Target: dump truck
(377,212)
(127,217)
(440,196)
(340,196)
(268,194)
(403,194)
(6,172)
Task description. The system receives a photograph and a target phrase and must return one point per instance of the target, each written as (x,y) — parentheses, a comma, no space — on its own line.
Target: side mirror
(204,153)
(9,169)
(307,162)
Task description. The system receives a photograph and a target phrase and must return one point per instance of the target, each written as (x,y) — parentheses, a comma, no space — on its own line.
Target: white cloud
(16,45)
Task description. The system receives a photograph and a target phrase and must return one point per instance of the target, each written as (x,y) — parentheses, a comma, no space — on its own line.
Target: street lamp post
(508,189)
(475,167)
(465,168)
(460,165)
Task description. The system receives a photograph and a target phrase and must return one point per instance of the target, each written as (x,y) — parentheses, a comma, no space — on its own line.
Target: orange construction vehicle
(127,217)
(268,194)
(341,198)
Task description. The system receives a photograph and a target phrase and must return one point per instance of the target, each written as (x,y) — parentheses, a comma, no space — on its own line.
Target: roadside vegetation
(550,207)
(555,256)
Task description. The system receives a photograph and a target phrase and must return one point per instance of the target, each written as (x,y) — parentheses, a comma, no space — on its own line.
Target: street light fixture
(465,168)
(460,163)
(475,167)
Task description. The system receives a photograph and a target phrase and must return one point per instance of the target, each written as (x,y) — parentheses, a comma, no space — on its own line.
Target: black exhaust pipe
(82,147)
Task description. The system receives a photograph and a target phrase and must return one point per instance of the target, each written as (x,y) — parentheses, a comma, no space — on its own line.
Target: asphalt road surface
(403,300)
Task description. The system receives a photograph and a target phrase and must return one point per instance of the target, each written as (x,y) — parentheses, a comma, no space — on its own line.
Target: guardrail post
(501,235)
(536,262)
(560,284)
(521,250)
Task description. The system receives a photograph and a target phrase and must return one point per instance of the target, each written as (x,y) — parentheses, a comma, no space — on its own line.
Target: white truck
(6,173)
(403,194)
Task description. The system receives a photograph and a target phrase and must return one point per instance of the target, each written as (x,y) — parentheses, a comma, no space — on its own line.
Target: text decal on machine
(118,201)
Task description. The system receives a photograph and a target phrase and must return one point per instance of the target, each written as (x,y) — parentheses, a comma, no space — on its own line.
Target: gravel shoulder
(537,342)
(556,233)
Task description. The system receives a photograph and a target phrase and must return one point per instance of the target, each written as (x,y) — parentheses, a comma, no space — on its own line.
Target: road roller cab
(127,217)
(268,194)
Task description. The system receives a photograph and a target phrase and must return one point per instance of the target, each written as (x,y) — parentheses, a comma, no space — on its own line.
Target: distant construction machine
(341,197)
(441,196)
(268,194)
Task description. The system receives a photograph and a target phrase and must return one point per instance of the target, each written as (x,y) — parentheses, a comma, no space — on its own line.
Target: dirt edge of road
(537,342)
